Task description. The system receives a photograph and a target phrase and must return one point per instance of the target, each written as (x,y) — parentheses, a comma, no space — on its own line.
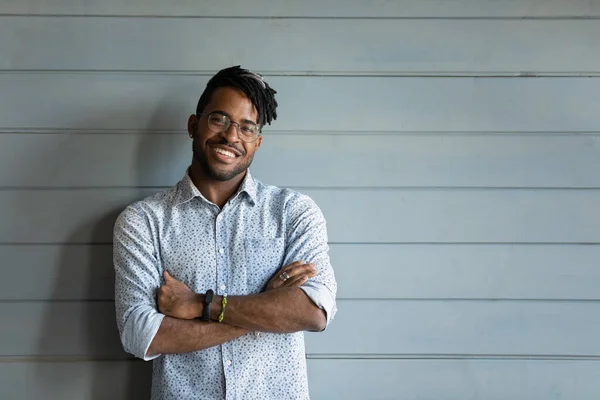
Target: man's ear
(192,126)
(258,142)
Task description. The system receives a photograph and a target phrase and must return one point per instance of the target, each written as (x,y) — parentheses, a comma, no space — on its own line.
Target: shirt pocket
(263,258)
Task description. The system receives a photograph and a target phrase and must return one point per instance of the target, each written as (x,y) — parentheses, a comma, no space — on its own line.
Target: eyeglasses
(247,131)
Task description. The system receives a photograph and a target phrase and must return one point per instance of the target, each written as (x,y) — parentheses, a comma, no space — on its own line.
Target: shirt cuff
(140,329)
(319,294)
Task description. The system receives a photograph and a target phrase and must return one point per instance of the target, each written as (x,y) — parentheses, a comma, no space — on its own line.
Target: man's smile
(224,153)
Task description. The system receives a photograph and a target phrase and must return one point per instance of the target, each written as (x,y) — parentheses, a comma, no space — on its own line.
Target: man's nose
(231,134)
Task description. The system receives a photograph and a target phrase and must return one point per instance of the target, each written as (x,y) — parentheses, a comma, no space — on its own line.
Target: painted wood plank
(319,45)
(361,160)
(354,379)
(83,380)
(309,8)
(67,272)
(163,102)
(60,329)
(453,379)
(84,272)
(387,215)
(413,327)
(461,327)
(467,271)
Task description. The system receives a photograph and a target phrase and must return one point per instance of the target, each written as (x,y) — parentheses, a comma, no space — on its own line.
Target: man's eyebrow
(249,121)
(220,112)
(229,116)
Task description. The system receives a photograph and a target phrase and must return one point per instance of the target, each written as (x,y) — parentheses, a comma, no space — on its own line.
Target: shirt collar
(248,186)
(186,190)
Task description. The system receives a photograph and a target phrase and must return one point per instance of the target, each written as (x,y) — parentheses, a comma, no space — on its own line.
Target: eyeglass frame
(238,128)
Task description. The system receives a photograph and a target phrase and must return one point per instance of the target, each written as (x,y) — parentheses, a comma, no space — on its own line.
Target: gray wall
(452,145)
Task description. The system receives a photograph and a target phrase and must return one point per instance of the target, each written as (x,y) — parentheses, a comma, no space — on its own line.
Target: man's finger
(304,274)
(277,283)
(296,281)
(294,272)
(292,265)
(298,268)
(167,275)
(302,269)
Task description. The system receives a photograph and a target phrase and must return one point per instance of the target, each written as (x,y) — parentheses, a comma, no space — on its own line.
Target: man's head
(226,128)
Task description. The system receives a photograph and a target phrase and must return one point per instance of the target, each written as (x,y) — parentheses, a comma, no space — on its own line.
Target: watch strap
(208,298)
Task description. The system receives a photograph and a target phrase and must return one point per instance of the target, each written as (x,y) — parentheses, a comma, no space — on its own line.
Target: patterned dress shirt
(234,250)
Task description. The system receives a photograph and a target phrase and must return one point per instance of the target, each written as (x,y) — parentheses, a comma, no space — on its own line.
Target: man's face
(224,156)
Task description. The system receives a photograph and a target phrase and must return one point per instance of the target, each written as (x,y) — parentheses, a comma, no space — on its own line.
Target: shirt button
(221,251)
(228,363)
(223,286)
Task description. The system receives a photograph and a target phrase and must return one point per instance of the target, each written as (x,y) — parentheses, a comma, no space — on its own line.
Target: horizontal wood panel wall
(452,145)
(309,8)
(393,379)
(79,272)
(546,46)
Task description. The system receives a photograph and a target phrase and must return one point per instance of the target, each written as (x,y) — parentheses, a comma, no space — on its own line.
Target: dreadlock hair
(252,84)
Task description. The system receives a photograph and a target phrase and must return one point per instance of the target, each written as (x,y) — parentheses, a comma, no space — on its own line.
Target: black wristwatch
(208,298)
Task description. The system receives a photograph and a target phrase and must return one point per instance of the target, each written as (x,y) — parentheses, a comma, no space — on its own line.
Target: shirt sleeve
(137,277)
(306,239)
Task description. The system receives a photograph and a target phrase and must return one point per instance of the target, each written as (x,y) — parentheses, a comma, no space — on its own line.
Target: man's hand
(295,275)
(177,300)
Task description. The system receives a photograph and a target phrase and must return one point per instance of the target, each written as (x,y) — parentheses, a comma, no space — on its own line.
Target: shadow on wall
(79,325)
(163,156)
(85,330)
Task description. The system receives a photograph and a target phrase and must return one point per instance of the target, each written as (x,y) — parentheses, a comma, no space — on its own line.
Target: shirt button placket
(228,368)
(226,348)
(221,256)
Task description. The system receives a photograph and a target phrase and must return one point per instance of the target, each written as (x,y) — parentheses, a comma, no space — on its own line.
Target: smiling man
(218,277)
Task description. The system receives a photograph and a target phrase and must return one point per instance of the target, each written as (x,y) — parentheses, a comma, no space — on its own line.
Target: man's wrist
(215,310)
(208,298)
(198,305)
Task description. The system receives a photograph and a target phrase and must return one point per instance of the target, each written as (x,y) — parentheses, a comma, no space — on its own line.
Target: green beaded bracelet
(223,305)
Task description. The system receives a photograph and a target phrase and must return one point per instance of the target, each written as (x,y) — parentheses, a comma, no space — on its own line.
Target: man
(200,287)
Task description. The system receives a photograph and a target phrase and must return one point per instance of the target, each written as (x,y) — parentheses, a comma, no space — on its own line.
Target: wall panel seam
(307,17)
(329,74)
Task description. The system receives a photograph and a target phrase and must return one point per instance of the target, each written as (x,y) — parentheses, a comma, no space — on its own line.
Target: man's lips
(226,151)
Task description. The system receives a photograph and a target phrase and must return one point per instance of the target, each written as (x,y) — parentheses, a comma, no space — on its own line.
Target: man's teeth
(225,152)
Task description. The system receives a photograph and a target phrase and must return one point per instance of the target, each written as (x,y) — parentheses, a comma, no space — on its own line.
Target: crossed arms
(154,321)
(282,308)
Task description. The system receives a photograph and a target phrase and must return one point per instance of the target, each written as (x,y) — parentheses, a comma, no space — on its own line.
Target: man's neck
(217,192)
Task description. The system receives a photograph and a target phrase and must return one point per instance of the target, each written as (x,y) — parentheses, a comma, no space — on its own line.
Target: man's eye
(249,129)
(217,120)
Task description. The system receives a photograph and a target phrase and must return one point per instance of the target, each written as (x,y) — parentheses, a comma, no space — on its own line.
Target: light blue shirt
(234,250)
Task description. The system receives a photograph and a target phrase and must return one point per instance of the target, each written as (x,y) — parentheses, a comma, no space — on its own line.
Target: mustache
(224,142)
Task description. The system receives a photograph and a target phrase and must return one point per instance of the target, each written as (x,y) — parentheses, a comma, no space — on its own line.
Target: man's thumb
(167,275)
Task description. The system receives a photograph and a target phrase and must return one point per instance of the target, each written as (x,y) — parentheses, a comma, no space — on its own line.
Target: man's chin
(223,175)
(218,171)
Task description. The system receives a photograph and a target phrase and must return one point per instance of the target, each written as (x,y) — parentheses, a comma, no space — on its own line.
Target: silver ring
(284,276)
